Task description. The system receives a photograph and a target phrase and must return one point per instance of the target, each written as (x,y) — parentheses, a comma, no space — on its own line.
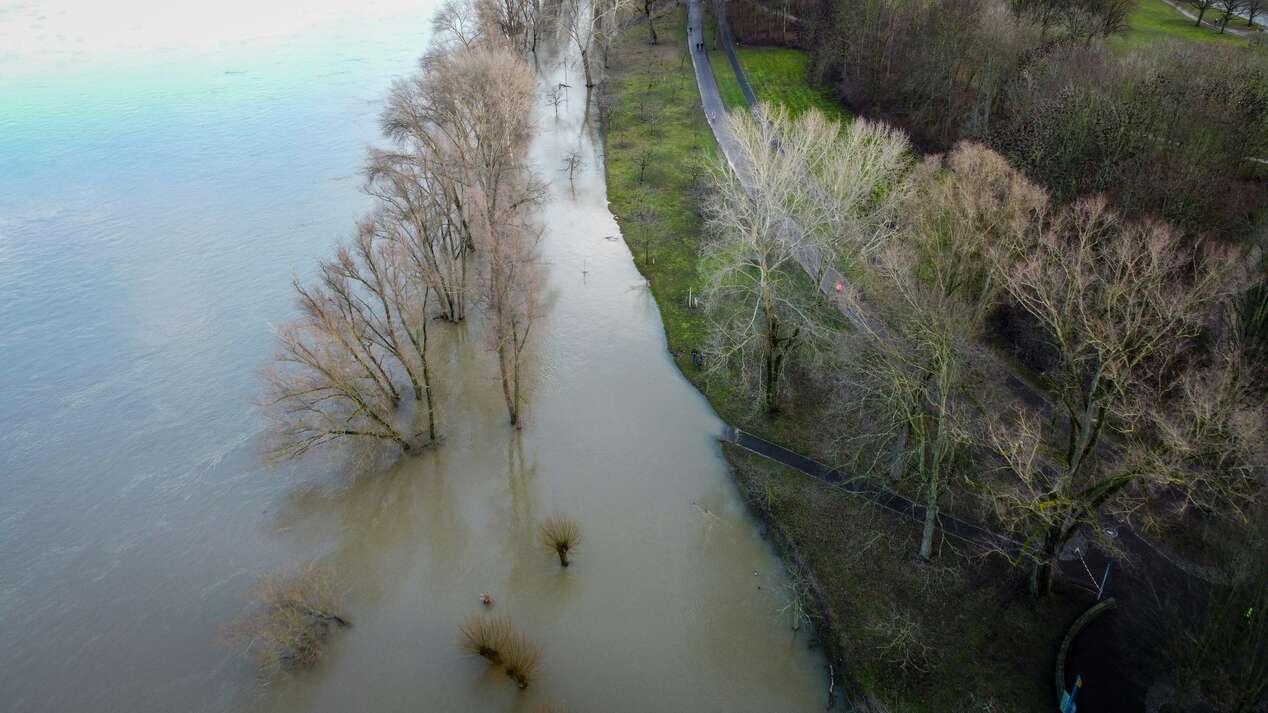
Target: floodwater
(164,171)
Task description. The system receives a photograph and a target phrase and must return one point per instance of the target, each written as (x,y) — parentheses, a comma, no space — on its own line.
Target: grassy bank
(1155,21)
(658,213)
(777,74)
(976,636)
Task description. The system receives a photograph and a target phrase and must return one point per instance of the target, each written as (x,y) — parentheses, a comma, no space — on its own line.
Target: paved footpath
(715,112)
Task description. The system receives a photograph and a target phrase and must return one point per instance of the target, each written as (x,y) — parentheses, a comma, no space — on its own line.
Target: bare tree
(327,384)
(1228,10)
(555,97)
(462,126)
(911,383)
(651,21)
(512,297)
(1121,302)
(479,104)
(1201,6)
(643,159)
(761,311)
(908,383)
(1081,20)
(458,22)
(592,25)
(843,187)
(290,620)
(573,163)
(421,209)
(645,217)
(372,286)
(1254,8)
(362,323)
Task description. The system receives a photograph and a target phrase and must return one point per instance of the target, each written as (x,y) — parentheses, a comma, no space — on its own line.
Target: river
(164,171)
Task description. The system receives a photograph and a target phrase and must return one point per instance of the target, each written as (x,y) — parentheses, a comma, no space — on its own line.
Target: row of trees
(1158,408)
(452,226)
(1227,10)
(1159,130)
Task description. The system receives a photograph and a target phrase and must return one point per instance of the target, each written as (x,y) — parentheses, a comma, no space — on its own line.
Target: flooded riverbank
(142,282)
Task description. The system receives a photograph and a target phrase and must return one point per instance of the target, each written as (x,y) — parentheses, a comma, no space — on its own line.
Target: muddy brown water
(154,200)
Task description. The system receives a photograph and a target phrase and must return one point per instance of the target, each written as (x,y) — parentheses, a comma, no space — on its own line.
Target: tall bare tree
(421,208)
(327,384)
(1122,303)
(592,25)
(373,284)
(761,308)
(1228,9)
(1254,8)
(472,111)
(1201,6)
(512,299)
(457,22)
(912,383)
(651,21)
(843,186)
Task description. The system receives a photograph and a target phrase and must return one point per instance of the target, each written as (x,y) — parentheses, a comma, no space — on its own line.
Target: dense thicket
(1164,131)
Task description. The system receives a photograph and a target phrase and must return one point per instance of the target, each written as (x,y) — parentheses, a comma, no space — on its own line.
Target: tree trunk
(773,359)
(1201,12)
(585,64)
(431,406)
(931,518)
(1045,570)
(651,26)
(512,408)
(899,461)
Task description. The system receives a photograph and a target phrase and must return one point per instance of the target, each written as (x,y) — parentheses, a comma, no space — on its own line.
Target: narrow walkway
(715,113)
(960,529)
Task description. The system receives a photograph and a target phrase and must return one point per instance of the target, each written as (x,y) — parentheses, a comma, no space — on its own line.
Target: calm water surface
(163,173)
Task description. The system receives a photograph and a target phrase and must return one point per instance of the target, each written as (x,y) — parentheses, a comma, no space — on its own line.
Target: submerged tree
(290,620)
(592,25)
(363,323)
(421,211)
(462,183)
(373,284)
(327,385)
(561,534)
(486,637)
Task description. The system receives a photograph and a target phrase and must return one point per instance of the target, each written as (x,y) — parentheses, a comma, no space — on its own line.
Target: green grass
(782,75)
(990,647)
(659,78)
(777,74)
(1155,21)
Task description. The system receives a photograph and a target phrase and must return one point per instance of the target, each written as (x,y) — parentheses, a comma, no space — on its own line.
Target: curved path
(715,112)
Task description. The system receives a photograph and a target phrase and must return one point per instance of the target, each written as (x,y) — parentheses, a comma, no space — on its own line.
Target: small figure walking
(697,359)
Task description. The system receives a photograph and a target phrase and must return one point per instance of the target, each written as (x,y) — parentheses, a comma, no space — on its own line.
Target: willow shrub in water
(521,659)
(290,621)
(561,534)
(485,636)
